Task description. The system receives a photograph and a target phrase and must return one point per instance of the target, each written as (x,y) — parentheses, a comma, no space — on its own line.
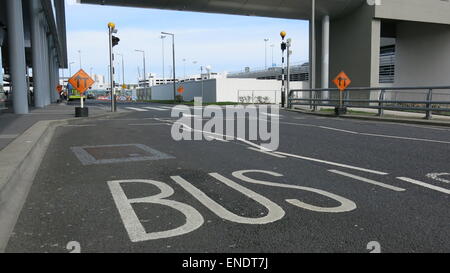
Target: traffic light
(115,41)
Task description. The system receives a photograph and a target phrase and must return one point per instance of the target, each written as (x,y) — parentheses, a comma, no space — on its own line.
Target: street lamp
(79,53)
(123,70)
(265,53)
(70,68)
(184,68)
(272,46)
(145,76)
(173,60)
(163,64)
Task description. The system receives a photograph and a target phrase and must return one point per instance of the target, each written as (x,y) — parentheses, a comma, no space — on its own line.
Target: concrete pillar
(36,47)
(355,49)
(45,65)
(325,78)
(17,62)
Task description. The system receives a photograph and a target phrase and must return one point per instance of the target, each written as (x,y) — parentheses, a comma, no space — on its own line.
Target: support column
(51,65)
(46,68)
(38,66)
(16,45)
(325,55)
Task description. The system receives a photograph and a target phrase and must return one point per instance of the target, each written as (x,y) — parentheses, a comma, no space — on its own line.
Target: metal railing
(428,99)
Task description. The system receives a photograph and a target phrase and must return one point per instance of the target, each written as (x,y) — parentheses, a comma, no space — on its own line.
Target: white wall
(225,90)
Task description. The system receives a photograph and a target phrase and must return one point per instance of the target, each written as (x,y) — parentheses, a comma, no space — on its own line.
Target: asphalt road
(334,185)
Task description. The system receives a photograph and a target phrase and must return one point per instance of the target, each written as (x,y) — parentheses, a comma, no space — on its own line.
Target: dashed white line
(155,108)
(332,163)
(366,180)
(266,152)
(423,184)
(136,109)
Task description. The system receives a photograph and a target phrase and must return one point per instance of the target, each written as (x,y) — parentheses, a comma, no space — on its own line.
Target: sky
(224,42)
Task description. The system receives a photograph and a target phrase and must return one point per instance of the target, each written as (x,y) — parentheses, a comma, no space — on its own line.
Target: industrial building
(33,49)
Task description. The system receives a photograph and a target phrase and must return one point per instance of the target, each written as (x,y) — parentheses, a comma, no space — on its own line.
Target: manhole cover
(107,154)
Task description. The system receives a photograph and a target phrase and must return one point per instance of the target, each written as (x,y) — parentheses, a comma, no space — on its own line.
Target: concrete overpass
(349,33)
(32,35)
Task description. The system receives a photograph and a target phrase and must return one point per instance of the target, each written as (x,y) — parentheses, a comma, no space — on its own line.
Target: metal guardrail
(426,99)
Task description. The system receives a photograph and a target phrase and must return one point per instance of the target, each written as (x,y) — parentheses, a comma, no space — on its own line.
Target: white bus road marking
(274,213)
(366,180)
(133,225)
(266,152)
(423,184)
(136,109)
(154,108)
(332,163)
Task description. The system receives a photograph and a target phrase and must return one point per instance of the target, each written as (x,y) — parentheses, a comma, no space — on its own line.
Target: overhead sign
(81,81)
(342,81)
(180,90)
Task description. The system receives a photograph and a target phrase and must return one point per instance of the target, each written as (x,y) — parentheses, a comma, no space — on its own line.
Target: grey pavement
(12,125)
(334,185)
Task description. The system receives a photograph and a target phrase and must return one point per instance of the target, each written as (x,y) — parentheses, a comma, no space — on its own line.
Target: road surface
(123,184)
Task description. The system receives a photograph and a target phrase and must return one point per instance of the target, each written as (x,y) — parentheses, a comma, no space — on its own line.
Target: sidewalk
(12,125)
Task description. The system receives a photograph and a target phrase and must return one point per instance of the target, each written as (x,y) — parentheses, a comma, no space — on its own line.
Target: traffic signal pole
(111,27)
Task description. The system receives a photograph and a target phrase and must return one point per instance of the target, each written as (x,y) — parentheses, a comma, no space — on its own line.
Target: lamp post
(79,55)
(265,52)
(70,68)
(173,61)
(145,76)
(163,63)
(123,70)
(184,69)
(272,46)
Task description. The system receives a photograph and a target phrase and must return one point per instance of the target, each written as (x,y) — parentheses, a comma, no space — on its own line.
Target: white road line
(366,180)
(332,163)
(367,134)
(423,184)
(265,152)
(339,130)
(136,109)
(148,124)
(407,138)
(154,108)
(189,129)
(73,125)
(167,107)
(216,138)
(270,115)
(8,136)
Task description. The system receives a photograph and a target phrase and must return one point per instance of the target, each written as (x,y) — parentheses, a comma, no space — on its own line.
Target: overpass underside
(32,49)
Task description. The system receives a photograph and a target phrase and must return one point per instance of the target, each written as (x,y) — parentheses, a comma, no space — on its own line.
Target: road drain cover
(107,154)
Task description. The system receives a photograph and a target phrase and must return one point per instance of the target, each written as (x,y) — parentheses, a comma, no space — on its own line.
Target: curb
(393,120)
(19,163)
